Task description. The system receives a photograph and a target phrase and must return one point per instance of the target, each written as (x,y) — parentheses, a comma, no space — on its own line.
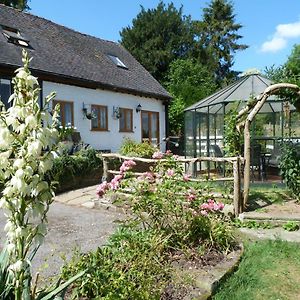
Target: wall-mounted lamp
(116,112)
(138,108)
(89,115)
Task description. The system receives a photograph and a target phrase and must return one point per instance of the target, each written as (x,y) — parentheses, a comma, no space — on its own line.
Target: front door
(150,127)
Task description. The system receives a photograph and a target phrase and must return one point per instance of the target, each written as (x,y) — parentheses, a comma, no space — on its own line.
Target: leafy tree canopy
(157,37)
(217,38)
(293,62)
(19,4)
(288,72)
(188,82)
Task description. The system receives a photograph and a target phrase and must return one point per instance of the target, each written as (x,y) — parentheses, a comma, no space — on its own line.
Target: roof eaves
(89,83)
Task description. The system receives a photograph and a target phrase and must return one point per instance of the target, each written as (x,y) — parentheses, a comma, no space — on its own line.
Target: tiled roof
(65,53)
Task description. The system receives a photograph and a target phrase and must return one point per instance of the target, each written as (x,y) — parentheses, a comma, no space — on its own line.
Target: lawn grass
(268,270)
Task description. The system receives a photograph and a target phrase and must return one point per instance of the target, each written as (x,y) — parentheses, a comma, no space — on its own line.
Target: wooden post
(237,187)
(105,169)
(247,156)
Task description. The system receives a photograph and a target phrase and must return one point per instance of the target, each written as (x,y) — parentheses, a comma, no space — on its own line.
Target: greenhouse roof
(241,90)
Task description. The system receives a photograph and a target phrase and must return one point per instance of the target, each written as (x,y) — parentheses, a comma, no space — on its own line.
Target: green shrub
(290,168)
(134,149)
(66,167)
(164,201)
(130,266)
(291,226)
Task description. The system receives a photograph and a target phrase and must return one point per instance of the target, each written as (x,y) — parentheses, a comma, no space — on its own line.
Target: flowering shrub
(163,200)
(65,132)
(28,145)
(132,148)
(115,183)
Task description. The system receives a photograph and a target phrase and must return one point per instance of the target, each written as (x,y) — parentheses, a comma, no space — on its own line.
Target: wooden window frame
(150,125)
(99,108)
(62,103)
(126,127)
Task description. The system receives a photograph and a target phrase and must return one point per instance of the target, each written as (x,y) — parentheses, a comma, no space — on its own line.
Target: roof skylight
(14,36)
(117,61)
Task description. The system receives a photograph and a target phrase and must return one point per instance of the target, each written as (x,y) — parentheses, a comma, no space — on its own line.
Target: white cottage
(101,88)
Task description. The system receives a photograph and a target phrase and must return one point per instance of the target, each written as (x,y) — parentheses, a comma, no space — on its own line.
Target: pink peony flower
(191,197)
(102,188)
(150,176)
(115,183)
(212,206)
(203,212)
(170,172)
(169,153)
(127,165)
(157,155)
(186,177)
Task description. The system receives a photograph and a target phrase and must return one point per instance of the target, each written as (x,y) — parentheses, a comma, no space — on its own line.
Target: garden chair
(256,161)
(215,151)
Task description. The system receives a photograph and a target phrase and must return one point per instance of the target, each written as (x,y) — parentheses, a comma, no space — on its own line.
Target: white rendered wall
(111,139)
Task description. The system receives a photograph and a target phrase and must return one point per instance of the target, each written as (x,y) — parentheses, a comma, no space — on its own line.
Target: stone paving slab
(272,234)
(78,197)
(271,216)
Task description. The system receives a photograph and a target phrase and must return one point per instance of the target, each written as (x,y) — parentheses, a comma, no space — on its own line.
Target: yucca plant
(28,143)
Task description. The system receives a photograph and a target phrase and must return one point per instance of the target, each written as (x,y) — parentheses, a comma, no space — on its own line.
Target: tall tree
(157,37)
(19,4)
(293,62)
(188,82)
(289,72)
(217,38)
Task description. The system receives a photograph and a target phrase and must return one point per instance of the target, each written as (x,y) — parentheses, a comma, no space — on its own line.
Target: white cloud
(279,39)
(291,30)
(274,45)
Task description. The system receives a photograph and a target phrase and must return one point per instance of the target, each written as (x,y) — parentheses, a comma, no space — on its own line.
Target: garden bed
(201,274)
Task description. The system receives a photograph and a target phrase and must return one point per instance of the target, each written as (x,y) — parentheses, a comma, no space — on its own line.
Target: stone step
(268,217)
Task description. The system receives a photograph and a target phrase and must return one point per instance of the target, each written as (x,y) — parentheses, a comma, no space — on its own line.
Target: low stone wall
(76,182)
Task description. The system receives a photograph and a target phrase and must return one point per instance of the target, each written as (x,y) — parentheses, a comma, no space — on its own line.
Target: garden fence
(235,163)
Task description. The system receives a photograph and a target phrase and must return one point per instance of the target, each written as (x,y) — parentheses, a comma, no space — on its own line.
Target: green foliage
(135,149)
(288,73)
(6,280)
(131,266)
(293,64)
(65,132)
(165,203)
(157,37)
(290,168)
(252,224)
(217,38)
(176,116)
(66,166)
(162,35)
(291,226)
(19,4)
(188,82)
(233,139)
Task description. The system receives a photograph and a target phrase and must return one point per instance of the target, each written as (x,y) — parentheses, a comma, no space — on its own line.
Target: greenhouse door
(150,127)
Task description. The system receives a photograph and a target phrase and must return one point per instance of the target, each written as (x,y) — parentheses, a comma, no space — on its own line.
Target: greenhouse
(276,122)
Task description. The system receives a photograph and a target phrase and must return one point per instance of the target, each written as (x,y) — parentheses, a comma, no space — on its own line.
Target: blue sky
(270,27)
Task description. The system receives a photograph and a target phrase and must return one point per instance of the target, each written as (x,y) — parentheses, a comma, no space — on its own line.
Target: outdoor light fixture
(86,114)
(116,112)
(138,108)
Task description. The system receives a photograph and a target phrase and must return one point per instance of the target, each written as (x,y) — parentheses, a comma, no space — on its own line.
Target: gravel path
(70,227)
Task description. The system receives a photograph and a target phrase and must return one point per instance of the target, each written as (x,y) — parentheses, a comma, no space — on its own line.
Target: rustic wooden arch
(254,109)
